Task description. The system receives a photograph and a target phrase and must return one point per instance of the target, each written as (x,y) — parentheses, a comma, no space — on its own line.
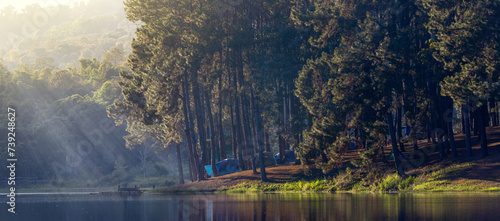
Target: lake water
(341,206)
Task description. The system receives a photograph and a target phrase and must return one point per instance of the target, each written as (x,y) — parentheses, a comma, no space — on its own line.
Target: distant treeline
(63,134)
(59,68)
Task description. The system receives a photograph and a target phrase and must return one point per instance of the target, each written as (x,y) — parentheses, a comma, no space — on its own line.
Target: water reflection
(419,206)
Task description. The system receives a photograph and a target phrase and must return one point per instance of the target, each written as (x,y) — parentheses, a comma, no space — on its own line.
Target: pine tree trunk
(255,107)
(233,133)
(246,118)
(212,133)
(268,145)
(395,150)
(462,113)
(482,114)
(497,115)
(189,130)
(190,164)
(381,149)
(248,134)
(468,146)
(200,120)
(475,118)
(439,136)
(285,125)
(433,126)
(399,129)
(290,120)
(191,168)
(179,163)
(222,151)
(234,139)
(451,136)
(229,70)
(429,131)
(282,131)
(449,125)
(429,135)
(254,130)
(494,114)
(442,124)
(239,134)
(253,126)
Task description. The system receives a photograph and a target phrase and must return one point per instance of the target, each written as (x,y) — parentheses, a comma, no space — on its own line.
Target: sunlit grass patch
(450,171)
(491,189)
(431,186)
(319,185)
(447,186)
(395,183)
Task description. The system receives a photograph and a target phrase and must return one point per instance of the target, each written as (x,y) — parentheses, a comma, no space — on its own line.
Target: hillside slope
(485,172)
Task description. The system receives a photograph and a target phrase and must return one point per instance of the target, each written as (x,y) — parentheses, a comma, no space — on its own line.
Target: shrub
(395,182)
(407,183)
(345,181)
(389,183)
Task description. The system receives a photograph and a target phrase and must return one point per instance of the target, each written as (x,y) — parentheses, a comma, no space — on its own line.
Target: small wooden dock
(124,191)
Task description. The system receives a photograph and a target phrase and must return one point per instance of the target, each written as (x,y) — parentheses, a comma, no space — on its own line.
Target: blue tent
(224,167)
(289,157)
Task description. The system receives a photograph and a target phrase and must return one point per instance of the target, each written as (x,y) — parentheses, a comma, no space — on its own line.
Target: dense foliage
(328,76)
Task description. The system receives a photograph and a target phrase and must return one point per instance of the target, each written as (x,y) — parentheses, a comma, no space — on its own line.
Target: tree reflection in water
(201,207)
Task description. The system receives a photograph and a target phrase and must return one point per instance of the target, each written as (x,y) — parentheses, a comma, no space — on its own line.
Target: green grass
(395,183)
(436,178)
(450,171)
(297,186)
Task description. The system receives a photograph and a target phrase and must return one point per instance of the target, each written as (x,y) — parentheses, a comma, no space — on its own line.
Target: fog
(59,69)
(66,32)
(20,4)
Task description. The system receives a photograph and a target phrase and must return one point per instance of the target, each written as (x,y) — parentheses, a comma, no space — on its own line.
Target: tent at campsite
(268,159)
(224,167)
(289,157)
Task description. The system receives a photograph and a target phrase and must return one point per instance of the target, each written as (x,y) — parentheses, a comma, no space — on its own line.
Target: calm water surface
(416,206)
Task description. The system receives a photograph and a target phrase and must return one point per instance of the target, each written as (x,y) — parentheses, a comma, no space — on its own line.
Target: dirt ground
(276,174)
(487,168)
(486,171)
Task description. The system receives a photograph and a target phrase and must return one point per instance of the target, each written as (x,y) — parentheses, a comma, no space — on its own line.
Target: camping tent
(268,159)
(289,157)
(224,167)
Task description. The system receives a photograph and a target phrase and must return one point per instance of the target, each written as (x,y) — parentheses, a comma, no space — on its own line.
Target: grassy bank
(437,178)
(440,177)
(474,173)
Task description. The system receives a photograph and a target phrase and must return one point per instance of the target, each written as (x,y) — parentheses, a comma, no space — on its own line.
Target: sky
(20,4)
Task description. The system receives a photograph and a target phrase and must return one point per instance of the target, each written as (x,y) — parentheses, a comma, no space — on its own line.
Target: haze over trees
(63,33)
(60,81)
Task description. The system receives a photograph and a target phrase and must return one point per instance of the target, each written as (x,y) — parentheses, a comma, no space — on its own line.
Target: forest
(60,82)
(319,77)
(210,80)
